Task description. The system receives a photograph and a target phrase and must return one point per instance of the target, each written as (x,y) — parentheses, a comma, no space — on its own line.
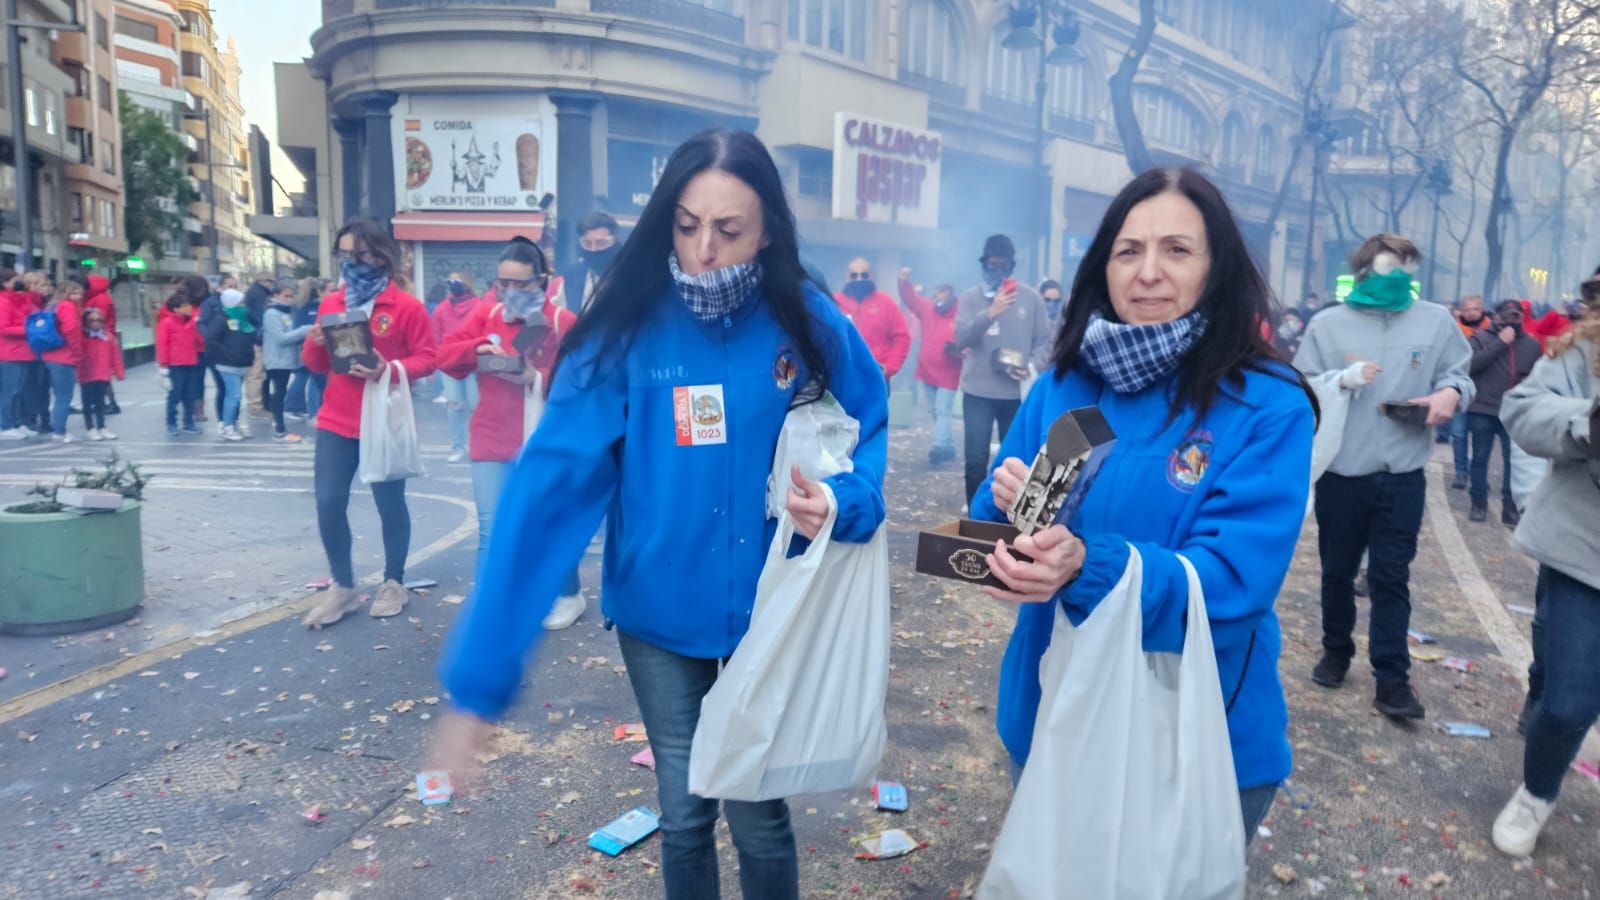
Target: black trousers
(94,395)
(1379,514)
(273,392)
(333,468)
(979,417)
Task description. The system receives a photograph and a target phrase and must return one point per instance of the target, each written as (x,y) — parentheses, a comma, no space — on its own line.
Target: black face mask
(943,306)
(1473,321)
(599,261)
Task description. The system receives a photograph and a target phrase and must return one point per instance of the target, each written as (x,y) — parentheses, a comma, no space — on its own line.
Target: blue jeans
(942,402)
(232,391)
(63,379)
(1485,431)
(333,467)
(1458,443)
(315,385)
(186,384)
(462,395)
(295,400)
(668,688)
(1569,699)
(12,374)
(488,483)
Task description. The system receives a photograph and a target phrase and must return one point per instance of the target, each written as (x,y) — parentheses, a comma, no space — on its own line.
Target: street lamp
(1030,23)
(19,123)
(211,183)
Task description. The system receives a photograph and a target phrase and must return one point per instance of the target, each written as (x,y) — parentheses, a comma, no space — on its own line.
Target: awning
(493,227)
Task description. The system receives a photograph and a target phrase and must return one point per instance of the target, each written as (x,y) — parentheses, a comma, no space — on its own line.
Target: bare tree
(1470,162)
(1129,133)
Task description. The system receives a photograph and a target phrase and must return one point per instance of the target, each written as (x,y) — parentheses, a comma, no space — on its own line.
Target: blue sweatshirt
(686,523)
(1228,492)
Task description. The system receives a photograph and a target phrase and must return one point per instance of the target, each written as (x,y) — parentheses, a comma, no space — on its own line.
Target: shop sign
(633,168)
(885,172)
(467,162)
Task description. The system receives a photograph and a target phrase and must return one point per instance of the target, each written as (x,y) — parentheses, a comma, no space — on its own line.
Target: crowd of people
(583,399)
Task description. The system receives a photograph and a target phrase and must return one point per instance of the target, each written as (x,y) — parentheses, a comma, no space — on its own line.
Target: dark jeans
(187,383)
(219,384)
(333,468)
(668,688)
(95,395)
(1380,515)
(63,381)
(272,394)
(1541,616)
(1458,444)
(12,374)
(1569,700)
(979,417)
(295,402)
(315,385)
(1485,431)
(33,404)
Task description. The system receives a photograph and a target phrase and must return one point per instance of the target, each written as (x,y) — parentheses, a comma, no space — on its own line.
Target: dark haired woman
(663,418)
(401,335)
(512,320)
(1212,461)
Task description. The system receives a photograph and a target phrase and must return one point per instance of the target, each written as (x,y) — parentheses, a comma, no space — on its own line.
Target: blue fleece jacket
(686,525)
(1228,492)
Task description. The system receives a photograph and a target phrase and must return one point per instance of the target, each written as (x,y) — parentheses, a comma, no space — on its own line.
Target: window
(816,173)
(108,157)
(928,45)
(108,218)
(49,113)
(1172,120)
(31,103)
(84,141)
(195,23)
(839,26)
(139,30)
(75,210)
(1071,91)
(102,32)
(1010,73)
(80,78)
(194,66)
(105,95)
(1234,146)
(1266,156)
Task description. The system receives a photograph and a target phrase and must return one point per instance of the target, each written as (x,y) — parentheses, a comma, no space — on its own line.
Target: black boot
(1480,513)
(1397,700)
(1331,669)
(1458,483)
(1509,515)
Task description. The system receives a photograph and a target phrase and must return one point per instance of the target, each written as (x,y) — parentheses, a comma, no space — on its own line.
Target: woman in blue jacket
(663,418)
(1212,461)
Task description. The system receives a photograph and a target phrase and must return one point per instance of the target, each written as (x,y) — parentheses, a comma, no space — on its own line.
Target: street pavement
(214,746)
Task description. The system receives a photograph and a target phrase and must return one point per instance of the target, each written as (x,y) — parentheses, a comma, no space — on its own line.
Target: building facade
(45,90)
(219,164)
(905,129)
(94,183)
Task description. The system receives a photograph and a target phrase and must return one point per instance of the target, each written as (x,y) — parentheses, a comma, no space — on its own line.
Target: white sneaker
(106,435)
(232,434)
(242,429)
(1517,827)
(93,434)
(565,612)
(62,439)
(440,399)
(15,434)
(456,456)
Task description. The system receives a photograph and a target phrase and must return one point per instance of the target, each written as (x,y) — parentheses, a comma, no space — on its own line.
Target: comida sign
(885,172)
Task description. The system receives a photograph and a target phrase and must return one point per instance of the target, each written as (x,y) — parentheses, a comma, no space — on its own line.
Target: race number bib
(700,415)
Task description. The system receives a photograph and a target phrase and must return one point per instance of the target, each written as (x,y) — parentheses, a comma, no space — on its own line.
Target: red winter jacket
(496,427)
(98,296)
(934,366)
(101,359)
(178,340)
(401,332)
(449,315)
(882,327)
(70,323)
(14,309)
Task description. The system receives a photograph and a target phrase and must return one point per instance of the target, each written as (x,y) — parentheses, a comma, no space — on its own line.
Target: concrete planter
(66,572)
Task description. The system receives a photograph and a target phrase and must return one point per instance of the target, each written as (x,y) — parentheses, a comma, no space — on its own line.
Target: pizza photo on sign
(419,163)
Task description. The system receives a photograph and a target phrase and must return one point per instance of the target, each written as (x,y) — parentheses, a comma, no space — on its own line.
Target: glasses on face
(366,256)
(859,276)
(605,242)
(516,284)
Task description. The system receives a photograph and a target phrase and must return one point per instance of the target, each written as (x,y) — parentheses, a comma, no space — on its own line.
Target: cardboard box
(1412,414)
(509,365)
(1062,473)
(85,498)
(349,339)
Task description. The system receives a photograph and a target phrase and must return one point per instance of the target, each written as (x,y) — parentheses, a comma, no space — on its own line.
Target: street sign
(885,172)
(135,264)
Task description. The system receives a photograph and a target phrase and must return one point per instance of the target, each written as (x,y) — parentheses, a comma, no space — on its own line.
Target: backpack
(43,333)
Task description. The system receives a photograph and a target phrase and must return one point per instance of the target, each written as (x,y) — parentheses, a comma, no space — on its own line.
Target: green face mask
(1391,292)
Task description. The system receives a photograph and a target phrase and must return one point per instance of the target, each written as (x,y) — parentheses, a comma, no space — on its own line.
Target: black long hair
(1235,299)
(627,292)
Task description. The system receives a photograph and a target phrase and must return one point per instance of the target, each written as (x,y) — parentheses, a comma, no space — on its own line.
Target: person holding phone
(1003,328)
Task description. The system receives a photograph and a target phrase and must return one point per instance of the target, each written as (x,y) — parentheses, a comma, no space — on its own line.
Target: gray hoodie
(280,340)
(1420,349)
(1024,328)
(1561,527)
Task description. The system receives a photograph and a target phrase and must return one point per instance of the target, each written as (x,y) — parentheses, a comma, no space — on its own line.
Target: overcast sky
(266,32)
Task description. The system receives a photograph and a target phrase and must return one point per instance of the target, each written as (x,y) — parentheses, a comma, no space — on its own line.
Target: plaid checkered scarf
(714,294)
(1130,358)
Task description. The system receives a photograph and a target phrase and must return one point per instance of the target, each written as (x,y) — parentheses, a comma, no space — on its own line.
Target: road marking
(284,607)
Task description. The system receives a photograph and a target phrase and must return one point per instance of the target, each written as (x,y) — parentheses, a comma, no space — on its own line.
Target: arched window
(1234,143)
(1173,121)
(1266,156)
(838,26)
(928,46)
(1073,92)
(1010,73)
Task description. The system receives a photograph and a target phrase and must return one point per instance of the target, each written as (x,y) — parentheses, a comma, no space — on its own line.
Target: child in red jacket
(99,361)
(178,345)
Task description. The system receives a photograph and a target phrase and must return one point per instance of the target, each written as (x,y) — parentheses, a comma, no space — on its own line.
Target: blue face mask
(362,282)
(859,290)
(520,305)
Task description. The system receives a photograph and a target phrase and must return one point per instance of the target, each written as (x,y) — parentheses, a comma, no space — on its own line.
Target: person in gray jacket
(1002,327)
(1554,414)
(280,354)
(1405,364)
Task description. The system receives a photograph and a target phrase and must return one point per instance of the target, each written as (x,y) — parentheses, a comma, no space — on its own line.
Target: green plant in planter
(115,475)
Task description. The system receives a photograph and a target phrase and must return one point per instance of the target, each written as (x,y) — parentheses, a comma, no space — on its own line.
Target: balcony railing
(690,16)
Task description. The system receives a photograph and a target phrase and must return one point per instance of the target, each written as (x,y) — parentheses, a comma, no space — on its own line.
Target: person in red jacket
(403,338)
(939,360)
(97,295)
(461,394)
(30,380)
(178,349)
(876,316)
(100,361)
(15,356)
(62,362)
(514,319)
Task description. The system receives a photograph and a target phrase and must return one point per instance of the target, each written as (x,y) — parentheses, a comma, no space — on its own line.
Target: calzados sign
(884,172)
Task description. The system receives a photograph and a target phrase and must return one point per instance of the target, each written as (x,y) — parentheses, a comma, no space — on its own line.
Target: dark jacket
(1497,367)
(224,345)
(256,300)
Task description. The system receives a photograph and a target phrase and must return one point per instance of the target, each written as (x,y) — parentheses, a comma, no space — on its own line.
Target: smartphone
(1010,284)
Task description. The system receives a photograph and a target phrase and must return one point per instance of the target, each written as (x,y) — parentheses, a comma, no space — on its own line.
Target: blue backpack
(43,335)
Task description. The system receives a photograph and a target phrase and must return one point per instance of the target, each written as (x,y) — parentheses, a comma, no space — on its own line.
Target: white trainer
(1516,829)
(93,434)
(565,612)
(15,434)
(106,435)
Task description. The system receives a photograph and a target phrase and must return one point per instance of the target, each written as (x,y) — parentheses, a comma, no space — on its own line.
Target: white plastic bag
(532,405)
(1334,403)
(389,449)
(799,707)
(1129,790)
